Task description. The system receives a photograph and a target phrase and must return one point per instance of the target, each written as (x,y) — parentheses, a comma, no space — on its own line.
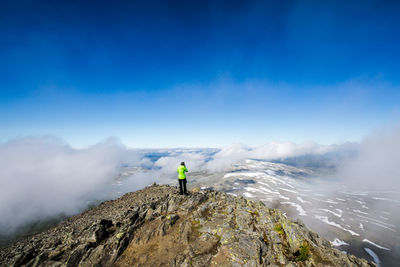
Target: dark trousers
(182,186)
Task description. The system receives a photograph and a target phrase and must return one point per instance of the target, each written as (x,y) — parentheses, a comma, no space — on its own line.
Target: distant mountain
(157,227)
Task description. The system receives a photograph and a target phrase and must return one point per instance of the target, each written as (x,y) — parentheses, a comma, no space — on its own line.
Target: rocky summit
(156,226)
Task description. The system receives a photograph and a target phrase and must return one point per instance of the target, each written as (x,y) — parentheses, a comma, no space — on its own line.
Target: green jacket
(181,170)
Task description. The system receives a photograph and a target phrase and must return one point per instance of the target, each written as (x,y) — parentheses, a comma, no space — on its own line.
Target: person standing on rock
(182,178)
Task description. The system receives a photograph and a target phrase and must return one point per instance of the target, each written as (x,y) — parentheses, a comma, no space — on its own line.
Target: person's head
(183,163)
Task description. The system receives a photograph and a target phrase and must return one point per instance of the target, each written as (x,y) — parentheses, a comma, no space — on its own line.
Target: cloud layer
(238,152)
(43,177)
(377,166)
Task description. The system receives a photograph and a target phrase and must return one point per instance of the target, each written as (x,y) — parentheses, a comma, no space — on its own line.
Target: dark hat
(182,163)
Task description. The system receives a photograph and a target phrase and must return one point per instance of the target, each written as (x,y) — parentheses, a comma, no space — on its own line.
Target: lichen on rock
(156,226)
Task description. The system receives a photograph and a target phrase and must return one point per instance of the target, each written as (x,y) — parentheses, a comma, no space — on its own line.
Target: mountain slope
(157,227)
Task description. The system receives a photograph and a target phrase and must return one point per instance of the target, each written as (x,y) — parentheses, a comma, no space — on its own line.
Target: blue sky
(198,73)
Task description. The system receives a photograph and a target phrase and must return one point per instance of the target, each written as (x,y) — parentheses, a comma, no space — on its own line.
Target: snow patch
(302,200)
(299,208)
(331,201)
(376,245)
(337,242)
(270,172)
(332,212)
(325,220)
(339,210)
(247,194)
(288,190)
(359,211)
(373,255)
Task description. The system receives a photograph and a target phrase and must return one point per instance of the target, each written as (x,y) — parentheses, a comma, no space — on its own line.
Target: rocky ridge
(156,226)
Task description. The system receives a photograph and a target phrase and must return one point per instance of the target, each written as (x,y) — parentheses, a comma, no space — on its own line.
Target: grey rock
(156,227)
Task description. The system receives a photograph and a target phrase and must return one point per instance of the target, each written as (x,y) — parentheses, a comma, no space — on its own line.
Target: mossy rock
(195,228)
(279,229)
(304,252)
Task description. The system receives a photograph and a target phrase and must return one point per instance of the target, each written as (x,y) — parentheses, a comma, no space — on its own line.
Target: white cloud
(377,165)
(276,150)
(170,163)
(270,151)
(227,156)
(42,176)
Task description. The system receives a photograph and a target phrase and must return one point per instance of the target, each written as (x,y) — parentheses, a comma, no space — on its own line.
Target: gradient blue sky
(198,73)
